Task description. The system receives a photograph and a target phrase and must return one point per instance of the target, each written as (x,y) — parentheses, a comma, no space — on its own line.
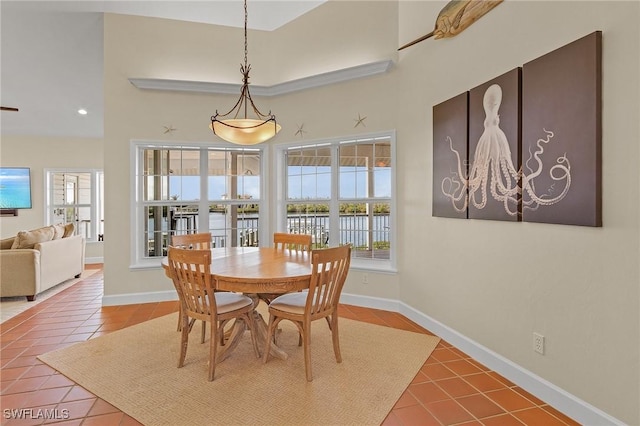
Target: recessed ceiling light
(82,111)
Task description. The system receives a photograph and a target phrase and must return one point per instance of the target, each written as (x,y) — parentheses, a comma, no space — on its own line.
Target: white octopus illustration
(493,167)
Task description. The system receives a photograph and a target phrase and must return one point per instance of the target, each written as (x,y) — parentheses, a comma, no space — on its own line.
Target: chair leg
(213,343)
(184,339)
(225,334)
(270,329)
(221,326)
(335,337)
(221,331)
(204,326)
(307,351)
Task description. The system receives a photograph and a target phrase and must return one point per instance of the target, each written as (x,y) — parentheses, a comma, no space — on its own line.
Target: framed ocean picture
(15,188)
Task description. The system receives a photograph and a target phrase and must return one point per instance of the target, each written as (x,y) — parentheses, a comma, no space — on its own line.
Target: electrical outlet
(538,343)
(365,278)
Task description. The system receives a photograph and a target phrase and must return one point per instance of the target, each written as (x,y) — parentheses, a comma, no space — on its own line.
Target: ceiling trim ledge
(319,80)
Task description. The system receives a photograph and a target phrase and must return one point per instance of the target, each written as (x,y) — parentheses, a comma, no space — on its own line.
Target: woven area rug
(135,370)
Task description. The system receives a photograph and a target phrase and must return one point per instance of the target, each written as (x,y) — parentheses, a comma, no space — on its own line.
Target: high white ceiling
(39,39)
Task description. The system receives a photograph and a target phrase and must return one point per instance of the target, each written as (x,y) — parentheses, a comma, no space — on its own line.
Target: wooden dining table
(254,271)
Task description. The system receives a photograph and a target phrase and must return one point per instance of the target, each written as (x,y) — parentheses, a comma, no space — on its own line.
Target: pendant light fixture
(244,130)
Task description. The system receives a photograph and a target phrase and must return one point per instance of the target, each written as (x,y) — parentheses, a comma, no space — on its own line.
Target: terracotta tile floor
(450,389)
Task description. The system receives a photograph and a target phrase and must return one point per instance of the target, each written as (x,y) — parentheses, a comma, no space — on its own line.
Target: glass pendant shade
(245,131)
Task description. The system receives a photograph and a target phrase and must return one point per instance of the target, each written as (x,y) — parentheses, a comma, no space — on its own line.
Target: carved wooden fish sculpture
(455,17)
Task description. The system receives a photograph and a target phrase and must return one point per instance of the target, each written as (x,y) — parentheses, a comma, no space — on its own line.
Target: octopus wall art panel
(562,135)
(533,151)
(450,143)
(494,142)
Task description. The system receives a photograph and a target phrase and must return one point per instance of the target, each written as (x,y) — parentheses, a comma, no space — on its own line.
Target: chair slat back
(297,242)
(330,267)
(199,241)
(190,272)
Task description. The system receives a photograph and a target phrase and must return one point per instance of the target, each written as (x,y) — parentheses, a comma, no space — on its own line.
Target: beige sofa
(34,261)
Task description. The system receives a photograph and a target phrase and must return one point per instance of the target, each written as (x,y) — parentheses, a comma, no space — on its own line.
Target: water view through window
(340,194)
(358,210)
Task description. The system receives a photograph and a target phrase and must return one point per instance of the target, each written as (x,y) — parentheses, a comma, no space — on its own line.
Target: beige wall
(143,47)
(334,36)
(309,43)
(40,153)
(498,282)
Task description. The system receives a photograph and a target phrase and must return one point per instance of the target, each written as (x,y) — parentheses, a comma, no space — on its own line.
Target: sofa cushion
(58,231)
(6,243)
(28,239)
(68,230)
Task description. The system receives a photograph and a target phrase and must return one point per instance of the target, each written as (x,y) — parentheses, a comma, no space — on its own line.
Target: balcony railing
(354,229)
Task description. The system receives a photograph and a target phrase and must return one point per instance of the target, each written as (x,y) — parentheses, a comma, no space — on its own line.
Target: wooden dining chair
(190,272)
(199,241)
(293,243)
(329,271)
(297,242)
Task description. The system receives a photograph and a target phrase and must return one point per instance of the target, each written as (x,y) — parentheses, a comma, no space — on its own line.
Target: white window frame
(138,259)
(96,205)
(280,184)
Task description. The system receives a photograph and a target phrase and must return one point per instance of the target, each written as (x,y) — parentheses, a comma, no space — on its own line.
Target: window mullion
(203,205)
(93,212)
(334,204)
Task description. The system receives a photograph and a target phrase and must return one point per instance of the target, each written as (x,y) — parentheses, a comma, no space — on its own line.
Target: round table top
(258,269)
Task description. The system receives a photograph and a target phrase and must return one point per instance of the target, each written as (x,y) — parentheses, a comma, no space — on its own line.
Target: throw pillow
(28,239)
(68,230)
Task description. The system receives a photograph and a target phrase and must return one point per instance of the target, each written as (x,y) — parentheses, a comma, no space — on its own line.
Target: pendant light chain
(245,71)
(246,49)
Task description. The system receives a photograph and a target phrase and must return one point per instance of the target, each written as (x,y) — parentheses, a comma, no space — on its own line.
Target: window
(76,196)
(192,188)
(341,192)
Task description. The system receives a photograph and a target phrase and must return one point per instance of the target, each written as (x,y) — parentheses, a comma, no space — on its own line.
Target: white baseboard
(561,400)
(558,398)
(90,260)
(131,298)
(370,302)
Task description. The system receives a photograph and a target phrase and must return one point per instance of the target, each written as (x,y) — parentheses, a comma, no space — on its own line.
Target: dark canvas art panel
(562,135)
(450,147)
(494,149)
